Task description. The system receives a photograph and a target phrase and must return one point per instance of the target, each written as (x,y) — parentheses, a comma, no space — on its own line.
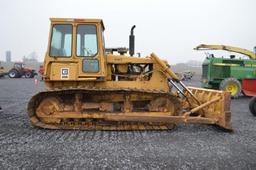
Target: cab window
(86,41)
(61,41)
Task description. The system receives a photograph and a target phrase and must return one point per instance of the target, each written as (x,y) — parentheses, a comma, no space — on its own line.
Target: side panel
(249,87)
(243,72)
(64,71)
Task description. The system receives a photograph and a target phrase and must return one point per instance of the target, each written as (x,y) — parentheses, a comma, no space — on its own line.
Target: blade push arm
(166,70)
(246,52)
(172,77)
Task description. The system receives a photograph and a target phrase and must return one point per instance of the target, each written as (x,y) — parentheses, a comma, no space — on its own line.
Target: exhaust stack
(132,41)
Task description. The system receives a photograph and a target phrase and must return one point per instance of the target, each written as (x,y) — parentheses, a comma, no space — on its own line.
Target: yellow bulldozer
(93,88)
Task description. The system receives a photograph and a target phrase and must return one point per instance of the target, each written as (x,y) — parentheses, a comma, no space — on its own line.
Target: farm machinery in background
(229,74)
(2,71)
(252,105)
(94,90)
(185,75)
(18,70)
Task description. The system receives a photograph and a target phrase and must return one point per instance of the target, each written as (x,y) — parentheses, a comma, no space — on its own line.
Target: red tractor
(19,70)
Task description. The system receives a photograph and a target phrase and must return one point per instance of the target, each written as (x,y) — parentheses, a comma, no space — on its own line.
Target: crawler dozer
(92,88)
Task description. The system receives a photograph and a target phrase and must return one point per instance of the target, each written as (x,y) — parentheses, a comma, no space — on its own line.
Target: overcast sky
(170,28)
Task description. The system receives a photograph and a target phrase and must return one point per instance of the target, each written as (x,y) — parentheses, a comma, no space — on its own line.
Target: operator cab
(76,43)
(19,66)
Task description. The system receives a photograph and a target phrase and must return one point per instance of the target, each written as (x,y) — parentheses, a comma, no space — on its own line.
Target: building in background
(31,58)
(8,56)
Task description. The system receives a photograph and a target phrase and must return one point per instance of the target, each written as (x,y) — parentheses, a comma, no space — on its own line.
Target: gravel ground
(186,147)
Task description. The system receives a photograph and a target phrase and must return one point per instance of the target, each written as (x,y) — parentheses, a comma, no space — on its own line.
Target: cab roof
(77,20)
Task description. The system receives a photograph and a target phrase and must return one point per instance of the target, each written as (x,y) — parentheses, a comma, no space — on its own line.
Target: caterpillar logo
(64,73)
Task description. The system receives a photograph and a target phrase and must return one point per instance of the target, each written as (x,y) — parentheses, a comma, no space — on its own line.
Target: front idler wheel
(47,108)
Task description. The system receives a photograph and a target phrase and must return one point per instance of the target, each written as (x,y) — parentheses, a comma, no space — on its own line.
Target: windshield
(86,41)
(19,65)
(61,41)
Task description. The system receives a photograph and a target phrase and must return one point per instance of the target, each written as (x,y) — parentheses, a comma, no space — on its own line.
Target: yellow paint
(232,88)
(246,52)
(143,80)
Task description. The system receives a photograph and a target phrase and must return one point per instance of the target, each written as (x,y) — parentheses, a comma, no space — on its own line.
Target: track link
(96,124)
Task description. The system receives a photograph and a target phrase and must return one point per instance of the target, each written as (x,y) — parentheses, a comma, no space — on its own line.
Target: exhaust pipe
(131,41)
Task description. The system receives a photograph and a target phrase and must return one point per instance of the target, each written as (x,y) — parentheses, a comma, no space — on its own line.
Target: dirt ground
(186,147)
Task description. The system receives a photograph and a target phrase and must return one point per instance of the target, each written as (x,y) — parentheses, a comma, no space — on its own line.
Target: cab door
(88,51)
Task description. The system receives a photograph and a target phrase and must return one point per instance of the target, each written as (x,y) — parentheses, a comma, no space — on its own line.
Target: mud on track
(185,147)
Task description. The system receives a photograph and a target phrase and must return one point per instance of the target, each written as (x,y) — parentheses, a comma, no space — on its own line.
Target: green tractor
(229,74)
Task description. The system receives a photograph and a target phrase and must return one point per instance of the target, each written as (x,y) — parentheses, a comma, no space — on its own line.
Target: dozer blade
(200,105)
(214,105)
